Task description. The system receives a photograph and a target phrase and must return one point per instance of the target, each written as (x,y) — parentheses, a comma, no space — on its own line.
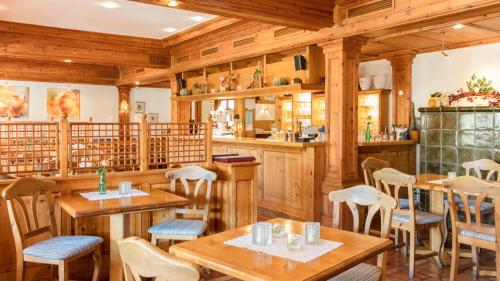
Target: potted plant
(480,92)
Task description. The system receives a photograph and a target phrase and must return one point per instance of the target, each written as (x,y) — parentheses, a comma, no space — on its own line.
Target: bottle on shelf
(393,133)
(368,134)
(385,134)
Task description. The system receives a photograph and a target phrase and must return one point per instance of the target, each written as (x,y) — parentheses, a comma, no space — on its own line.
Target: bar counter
(400,154)
(289,175)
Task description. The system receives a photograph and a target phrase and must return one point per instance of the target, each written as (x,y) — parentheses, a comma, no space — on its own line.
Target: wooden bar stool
(25,221)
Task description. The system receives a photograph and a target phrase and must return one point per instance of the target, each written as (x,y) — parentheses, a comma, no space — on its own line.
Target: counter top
(252,141)
(382,143)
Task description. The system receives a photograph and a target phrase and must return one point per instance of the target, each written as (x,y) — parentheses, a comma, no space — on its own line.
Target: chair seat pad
(180,227)
(364,272)
(420,218)
(62,247)
(405,203)
(485,206)
(478,235)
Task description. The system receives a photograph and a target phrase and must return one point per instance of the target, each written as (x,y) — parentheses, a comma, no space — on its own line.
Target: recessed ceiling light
(109,5)
(172,3)
(67,61)
(458,26)
(197,18)
(2,7)
(137,82)
(170,29)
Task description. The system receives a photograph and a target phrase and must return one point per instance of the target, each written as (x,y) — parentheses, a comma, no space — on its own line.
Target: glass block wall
(452,136)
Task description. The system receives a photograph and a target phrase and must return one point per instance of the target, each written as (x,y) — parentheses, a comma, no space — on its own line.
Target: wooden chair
(187,229)
(376,201)
(491,167)
(476,233)
(26,226)
(370,165)
(408,220)
(143,260)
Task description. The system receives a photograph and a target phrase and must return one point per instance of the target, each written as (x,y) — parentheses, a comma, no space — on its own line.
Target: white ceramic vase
(380,81)
(365,83)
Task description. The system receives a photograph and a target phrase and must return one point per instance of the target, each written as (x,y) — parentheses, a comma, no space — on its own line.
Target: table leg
(119,229)
(437,207)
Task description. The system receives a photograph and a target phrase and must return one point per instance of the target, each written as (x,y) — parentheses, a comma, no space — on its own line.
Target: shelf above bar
(260,92)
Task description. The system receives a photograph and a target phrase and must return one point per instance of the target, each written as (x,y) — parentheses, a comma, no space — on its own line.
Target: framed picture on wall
(140,107)
(63,102)
(14,101)
(153,117)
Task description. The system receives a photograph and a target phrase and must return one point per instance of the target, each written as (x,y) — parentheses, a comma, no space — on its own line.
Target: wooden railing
(79,147)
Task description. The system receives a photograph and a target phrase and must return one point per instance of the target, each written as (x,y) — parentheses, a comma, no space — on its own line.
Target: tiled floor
(397,270)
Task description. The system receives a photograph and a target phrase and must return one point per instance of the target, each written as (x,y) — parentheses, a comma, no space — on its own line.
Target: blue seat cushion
(180,227)
(405,203)
(485,206)
(364,271)
(478,235)
(62,247)
(420,218)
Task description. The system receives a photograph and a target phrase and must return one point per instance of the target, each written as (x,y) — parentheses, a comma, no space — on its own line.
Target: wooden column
(341,71)
(124,96)
(181,110)
(401,88)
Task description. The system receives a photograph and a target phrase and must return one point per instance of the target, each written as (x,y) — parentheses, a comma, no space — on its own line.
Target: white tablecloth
(279,248)
(112,194)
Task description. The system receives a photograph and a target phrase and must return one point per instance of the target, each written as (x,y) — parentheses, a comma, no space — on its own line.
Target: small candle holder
(278,230)
(312,233)
(262,234)
(293,242)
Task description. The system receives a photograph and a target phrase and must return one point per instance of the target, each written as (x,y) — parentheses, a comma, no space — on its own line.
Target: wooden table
(119,211)
(210,252)
(436,202)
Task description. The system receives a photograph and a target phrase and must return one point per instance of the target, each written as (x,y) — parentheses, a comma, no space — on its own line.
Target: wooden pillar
(239,108)
(180,110)
(124,104)
(341,71)
(401,88)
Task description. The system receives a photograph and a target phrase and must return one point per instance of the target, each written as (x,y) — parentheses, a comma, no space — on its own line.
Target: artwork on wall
(140,107)
(14,101)
(63,102)
(153,117)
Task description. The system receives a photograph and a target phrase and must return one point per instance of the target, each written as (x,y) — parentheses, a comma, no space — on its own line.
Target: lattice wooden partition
(29,147)
(90,143)
(176,143)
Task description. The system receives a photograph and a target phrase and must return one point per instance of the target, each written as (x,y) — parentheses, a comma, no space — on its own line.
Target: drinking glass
(124,187)
(312,232)
(452,175)
(278,230)
(262,234)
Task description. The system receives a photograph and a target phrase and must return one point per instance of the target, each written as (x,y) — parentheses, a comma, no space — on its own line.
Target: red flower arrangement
(493,97)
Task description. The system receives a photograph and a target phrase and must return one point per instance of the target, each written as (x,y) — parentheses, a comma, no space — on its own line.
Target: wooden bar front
(288,178)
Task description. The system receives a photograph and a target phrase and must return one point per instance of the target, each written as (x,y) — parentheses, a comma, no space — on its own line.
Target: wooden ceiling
(308,15)
(475,32)
(95,57)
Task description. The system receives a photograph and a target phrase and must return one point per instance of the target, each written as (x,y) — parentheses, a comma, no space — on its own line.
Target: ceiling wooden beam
(39,43)
(57,72)
(309,15)
(199,30)
(471,24)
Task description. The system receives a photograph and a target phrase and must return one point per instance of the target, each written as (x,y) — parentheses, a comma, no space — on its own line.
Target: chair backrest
(376,201)
(23,211)
(141,260)
(369,166)
(466,187)
(389,177)
(364,195)
(200,201)
(483,165)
